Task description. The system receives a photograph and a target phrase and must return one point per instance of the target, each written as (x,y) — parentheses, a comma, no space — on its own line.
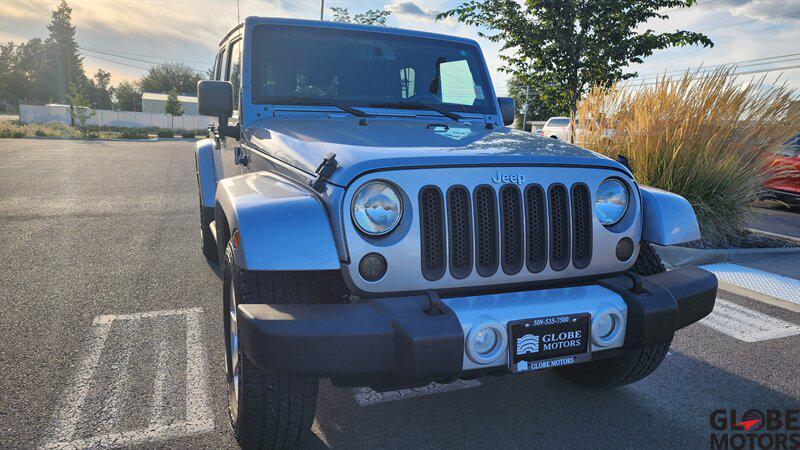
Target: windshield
(294,64)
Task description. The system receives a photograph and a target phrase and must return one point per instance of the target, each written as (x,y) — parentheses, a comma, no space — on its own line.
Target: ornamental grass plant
(706,137)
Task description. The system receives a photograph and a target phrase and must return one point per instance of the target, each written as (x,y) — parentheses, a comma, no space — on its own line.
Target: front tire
(266,411)
(633,365)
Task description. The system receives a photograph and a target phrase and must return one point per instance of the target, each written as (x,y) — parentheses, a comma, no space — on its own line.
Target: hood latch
(324,171)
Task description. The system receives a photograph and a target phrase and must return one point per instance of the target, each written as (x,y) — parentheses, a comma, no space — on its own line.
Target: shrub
(706,138)
(187,134)
(39,132)
(165,133)
(133,133)
(17,134)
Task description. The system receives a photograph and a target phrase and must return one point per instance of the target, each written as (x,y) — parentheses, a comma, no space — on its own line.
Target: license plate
(546,342)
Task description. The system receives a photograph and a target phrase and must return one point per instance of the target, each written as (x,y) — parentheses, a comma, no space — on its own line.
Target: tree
(562,47)
(542,104)
(173,106)
(25,70)
(79,107)
(128,96)
(67,64)
(375,17)
(103,92)
(168,76)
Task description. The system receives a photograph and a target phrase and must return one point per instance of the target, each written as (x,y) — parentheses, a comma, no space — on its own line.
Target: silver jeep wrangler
(379,225)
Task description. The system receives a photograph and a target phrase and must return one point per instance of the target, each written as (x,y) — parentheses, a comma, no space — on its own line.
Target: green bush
(133,133)
(165,133)
(5,133)
(707,138)
(18,134)
(39,133)
(187,134)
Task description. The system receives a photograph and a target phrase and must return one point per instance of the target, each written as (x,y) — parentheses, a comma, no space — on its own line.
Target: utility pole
(237,13)
(527,102)
(321,9)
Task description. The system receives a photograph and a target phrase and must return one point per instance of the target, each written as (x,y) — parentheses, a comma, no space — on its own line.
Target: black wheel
(266,411)
(209,244)
(633,365)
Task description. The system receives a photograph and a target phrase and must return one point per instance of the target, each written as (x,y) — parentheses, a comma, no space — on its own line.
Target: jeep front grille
(511,228)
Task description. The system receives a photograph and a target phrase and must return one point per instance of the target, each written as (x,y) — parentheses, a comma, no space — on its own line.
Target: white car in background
(557,128)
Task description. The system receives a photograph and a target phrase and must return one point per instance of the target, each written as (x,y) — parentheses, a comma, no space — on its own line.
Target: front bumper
(395,341)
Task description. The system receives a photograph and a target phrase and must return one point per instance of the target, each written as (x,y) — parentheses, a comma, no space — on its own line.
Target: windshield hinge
(324,171)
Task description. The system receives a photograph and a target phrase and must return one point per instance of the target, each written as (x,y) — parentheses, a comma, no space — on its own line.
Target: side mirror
(507,109)
(215,99)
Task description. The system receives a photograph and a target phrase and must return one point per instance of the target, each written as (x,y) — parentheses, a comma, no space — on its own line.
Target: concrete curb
(674,256)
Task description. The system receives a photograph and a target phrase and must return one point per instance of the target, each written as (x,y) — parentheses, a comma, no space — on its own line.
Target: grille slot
(536,228)
(511,225)
(459,231)
(432,232)
(559,227)
(581,226)
(485,231)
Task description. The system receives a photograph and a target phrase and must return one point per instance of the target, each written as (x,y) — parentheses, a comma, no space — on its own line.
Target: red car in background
(786,186)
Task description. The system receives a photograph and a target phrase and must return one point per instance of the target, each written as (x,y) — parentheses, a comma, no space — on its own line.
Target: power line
(129,58)
(101,50)
(724,64)
(117,62)
(698,4)
(751,21)
(674,77)
(709,69)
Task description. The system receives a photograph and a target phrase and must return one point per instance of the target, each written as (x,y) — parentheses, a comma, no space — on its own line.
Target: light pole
(321,9)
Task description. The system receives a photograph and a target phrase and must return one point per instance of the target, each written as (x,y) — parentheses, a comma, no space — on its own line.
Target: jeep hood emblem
(508,178)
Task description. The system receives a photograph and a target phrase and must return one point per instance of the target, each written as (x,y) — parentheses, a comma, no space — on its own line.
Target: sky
(147,31)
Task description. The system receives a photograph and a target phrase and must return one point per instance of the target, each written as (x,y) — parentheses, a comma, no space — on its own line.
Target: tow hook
(434,304)
(637,281)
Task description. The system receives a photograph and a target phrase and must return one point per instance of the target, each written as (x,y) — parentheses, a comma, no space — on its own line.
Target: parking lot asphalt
(774,217)
(112,335)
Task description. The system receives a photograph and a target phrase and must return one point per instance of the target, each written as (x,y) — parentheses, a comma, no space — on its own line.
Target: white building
(154,103)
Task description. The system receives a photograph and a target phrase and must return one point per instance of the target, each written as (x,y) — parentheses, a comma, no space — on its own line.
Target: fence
(126,119)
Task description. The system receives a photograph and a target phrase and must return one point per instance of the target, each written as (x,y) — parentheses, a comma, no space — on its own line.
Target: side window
(457,84)
(220,64)
(407,77)
(234,71)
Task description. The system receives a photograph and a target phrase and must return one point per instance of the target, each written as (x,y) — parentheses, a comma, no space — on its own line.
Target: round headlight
(376,208)
(611,201)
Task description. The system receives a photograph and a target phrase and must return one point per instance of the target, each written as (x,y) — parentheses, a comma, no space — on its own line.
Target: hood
(391,143)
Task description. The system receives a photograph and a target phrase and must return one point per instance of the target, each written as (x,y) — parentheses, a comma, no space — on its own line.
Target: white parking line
(368,397)
(197,418)
(746,324)
(758,285)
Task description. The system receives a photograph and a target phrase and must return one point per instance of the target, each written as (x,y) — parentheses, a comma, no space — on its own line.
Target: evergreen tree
(173,106)
(128,96)
(102,90)
(67,63)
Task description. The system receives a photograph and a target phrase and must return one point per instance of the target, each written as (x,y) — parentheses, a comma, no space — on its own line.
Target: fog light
(372,267)
(624,249)
(485,342)
(606,328)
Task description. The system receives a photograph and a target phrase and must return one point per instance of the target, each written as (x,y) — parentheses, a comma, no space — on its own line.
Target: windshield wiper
(418,105)
(345,108)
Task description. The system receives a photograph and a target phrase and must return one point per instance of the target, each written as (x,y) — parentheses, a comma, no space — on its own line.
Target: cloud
(789,11)
(409,8)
